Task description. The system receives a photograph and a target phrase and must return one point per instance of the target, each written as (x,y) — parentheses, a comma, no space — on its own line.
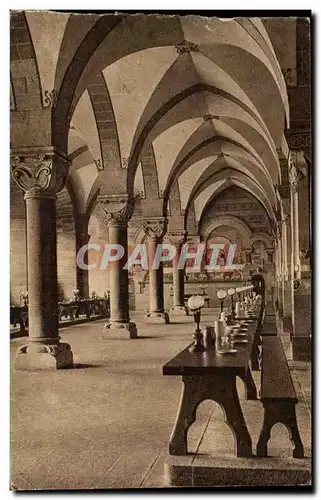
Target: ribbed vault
(206,98)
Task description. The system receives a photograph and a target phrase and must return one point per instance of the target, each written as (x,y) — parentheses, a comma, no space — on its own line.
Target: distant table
(209,375)
(72,309)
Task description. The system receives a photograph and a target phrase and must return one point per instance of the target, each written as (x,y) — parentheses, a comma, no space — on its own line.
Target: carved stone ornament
(284,190)
(297,168)
(155,228)
(39,173)
(209,117)
(50,98)
(296,284)
(177,238)
(116,210)
(300,141)
(186,47)
(293,175)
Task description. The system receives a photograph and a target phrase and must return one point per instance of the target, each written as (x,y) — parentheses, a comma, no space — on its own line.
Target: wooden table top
(210,362)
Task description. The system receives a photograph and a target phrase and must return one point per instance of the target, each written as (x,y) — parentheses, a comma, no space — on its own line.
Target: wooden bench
(269,310)
(269,326)
(277,396)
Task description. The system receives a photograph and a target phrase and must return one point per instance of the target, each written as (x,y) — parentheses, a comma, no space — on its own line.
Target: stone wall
(66,246)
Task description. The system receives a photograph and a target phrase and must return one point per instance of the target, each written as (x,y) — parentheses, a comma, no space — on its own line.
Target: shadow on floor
(84,365)
(147,337)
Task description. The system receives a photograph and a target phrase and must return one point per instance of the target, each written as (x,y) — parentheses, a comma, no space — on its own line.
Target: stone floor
(106,423)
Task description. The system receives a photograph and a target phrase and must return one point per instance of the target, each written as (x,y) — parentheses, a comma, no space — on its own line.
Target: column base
(179,311)
(33,356)
(121,330)
(159,318)
(301,348)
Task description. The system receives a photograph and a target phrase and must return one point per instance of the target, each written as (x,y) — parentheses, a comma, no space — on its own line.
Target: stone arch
(261,237)
(139,236)
(234,222)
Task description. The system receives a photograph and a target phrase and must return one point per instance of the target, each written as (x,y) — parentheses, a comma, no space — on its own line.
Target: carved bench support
(284,412)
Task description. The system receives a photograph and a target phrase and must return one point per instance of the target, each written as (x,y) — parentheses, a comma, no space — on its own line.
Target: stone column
(82,239)
(117,210)
(271,256)
(285,194)
(155,229)
(177,239)
(279,278)
(301,285)
(41,173)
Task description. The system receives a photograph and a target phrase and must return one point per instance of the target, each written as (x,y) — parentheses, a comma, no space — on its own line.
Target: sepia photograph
(160,250)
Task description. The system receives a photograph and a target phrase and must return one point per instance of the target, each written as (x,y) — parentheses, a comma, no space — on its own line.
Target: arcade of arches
(199,125)
(148,129)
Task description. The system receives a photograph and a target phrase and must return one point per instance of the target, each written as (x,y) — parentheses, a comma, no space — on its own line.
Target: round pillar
(82,274)
(155,230)
(178,308)
(41,175)
(116,211)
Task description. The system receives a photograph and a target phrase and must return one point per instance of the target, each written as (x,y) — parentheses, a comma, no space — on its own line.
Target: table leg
(220,388)
(249,385)
(229,400)
(190,399)
(255,353)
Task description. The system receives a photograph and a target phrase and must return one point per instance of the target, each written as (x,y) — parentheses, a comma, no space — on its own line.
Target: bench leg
(283,412)
(292,425)
(265,434)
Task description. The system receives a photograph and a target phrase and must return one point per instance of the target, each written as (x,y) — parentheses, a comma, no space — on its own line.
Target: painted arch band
(139,256)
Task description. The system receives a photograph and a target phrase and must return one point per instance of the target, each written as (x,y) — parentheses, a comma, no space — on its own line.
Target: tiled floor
(106,424)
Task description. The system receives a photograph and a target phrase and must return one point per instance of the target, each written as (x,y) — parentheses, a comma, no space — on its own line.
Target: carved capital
(177,238)
(116,210)
(39,173)
(155,228)
(300,140)
(284,190)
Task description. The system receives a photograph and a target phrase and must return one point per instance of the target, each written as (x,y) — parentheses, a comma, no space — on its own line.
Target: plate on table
(239,341)
(227,351)
(240,330)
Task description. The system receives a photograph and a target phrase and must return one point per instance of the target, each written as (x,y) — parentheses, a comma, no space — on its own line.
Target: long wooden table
(210,375)
(72,310)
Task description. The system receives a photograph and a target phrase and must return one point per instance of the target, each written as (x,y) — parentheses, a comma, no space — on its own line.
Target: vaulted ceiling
(206,96)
